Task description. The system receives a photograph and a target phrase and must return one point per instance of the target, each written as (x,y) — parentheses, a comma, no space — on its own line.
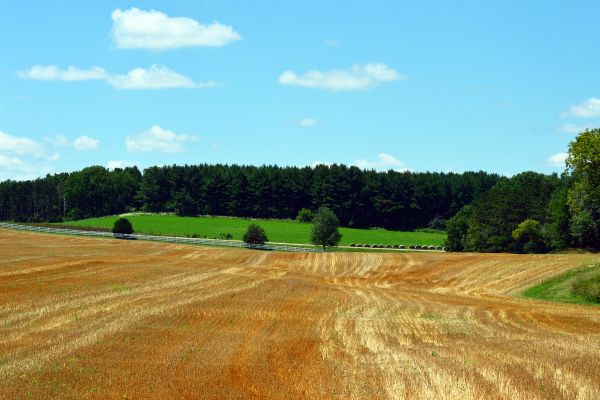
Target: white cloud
(357,78)
(557,160)
(158,139)
(83,143)
(308,122)
(332,43)
(54,73)
(383,162)
(139,29)
(588,109)
(112,164)
(13,145)
(575,128)
(13,167)
(23,158)
(155,77)
(59,141)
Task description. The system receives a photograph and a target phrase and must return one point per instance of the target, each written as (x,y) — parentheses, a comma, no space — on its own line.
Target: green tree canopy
(529,237)
(123,226)
(324,230)
(255,234)
(305,215)
(499,211)
(457,228)
(583,198)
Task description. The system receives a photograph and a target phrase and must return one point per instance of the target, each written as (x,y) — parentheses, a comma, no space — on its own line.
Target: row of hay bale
(396,246)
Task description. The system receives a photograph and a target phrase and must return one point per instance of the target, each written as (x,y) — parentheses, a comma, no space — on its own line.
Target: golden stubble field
(91,318)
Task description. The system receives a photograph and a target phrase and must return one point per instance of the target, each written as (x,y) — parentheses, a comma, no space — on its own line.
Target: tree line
(359,198)
(529,212)
(536,213)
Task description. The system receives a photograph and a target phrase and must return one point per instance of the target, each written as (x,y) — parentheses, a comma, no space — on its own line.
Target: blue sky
(501,86)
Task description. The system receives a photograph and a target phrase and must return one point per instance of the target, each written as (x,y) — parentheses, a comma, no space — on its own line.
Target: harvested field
(92,318)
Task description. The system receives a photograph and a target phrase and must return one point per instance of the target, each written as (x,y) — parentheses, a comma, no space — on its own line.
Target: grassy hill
(277,230)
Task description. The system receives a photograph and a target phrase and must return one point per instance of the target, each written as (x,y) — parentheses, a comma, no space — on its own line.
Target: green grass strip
(283,231)
(558,288)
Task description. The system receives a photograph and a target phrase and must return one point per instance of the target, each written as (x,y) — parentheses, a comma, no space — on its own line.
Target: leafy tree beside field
(583,198)
(325,228)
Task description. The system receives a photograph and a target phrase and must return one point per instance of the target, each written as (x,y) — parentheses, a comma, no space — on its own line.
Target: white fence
(170,239)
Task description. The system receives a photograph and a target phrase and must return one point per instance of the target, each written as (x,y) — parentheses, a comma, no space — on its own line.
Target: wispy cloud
(20,146)
(557,160)
(58,141)
(154,77)
(356,78)
(54,73)
(154,30)
(158,139)
(382,162)
(576,128)
(84,143)
(308,122)
(588,109)
(23,158)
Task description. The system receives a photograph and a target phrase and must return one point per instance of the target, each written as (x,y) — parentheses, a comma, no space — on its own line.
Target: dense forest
(529,212)
(359,198)
(535,213)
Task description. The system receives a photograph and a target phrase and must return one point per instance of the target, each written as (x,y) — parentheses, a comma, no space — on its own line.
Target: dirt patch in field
(92,318)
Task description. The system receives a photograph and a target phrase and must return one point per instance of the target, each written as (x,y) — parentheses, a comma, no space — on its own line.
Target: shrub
(588,288)
(305,215)
(429,230)
(123,226)
(255,235)
(74,214)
